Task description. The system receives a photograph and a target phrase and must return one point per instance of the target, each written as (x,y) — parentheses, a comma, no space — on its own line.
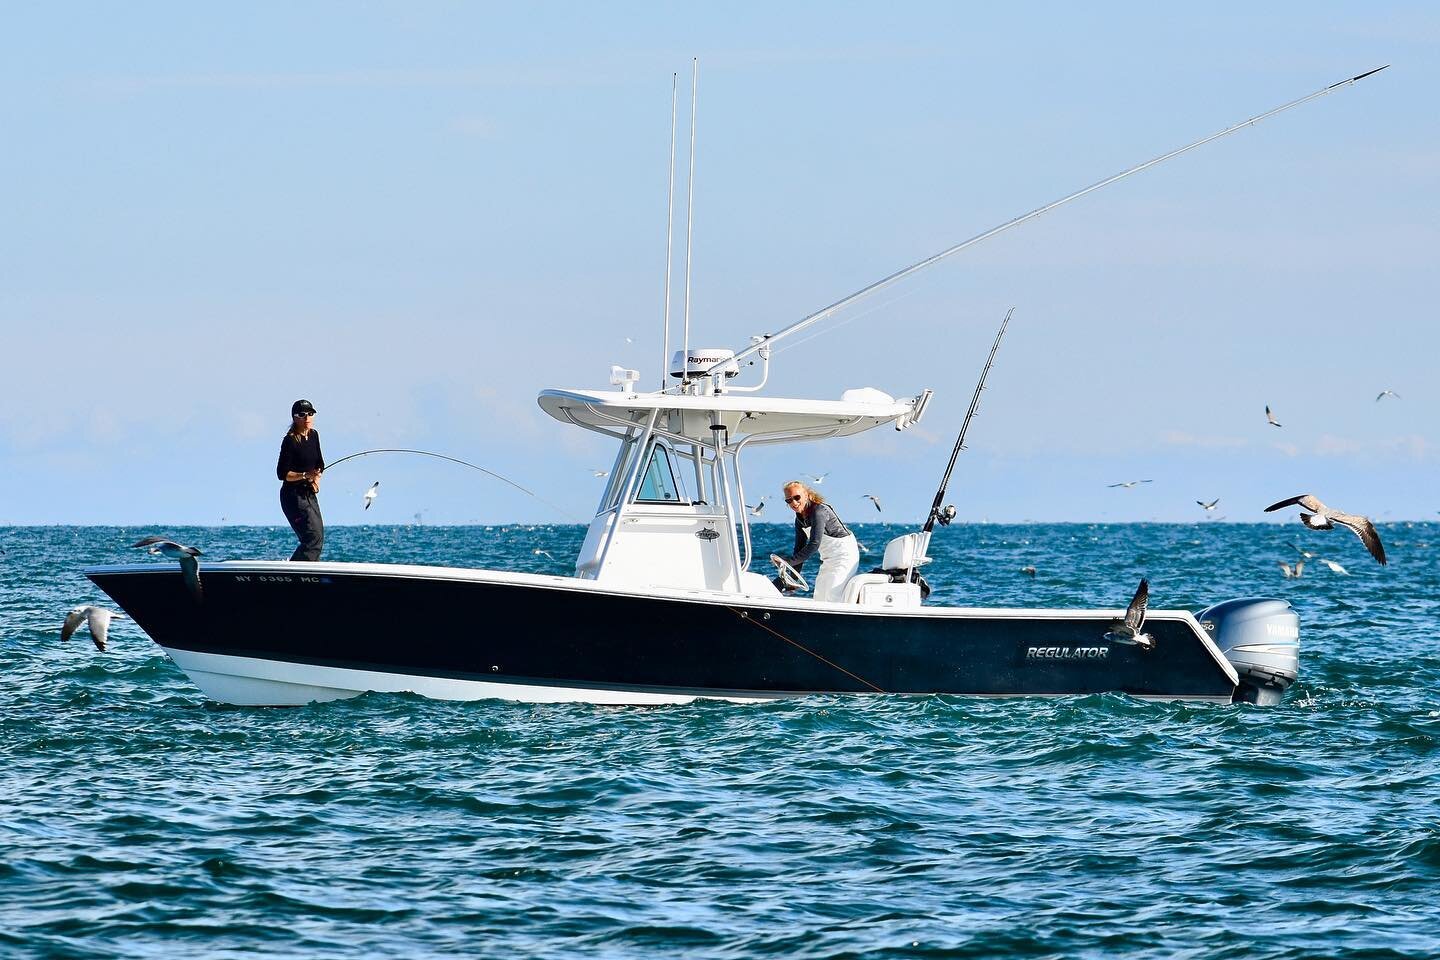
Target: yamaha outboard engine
(1261,639)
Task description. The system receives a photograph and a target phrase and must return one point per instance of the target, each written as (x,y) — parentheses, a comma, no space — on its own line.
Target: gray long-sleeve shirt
(821,523)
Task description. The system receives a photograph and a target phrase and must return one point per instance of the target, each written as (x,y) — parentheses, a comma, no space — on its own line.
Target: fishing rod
(464,463)
(944,516)
(930,261)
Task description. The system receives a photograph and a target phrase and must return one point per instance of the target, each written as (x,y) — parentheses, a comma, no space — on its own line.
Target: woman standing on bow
(299,468)
(818,529)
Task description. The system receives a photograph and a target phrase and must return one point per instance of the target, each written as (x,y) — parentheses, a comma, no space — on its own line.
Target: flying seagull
(1335,567)
(1208,506)
(543,553)
(1128,483)
(755,510)
(875,500)
(1127,629)
(1386,393)
(189,566)
(1271,417)
(98,619)
(599,474)
(819,479)
(372,493)
(1292,573)
(1306,554)
(1322,517)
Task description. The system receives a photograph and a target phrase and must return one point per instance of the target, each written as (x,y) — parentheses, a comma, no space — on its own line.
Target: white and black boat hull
(272,633)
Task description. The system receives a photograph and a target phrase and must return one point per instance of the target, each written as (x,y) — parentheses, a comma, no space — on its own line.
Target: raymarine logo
(1067,653)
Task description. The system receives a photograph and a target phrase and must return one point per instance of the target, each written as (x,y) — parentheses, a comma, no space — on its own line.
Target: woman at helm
(819,530)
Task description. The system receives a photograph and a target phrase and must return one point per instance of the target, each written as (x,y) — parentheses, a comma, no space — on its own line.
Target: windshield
(657,484)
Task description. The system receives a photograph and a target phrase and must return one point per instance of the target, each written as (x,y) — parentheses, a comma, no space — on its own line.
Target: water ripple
(142,821)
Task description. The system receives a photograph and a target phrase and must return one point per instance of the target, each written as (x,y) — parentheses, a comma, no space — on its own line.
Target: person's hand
(314,476)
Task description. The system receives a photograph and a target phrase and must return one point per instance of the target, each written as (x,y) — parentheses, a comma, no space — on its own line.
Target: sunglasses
(795,499)
(303,414)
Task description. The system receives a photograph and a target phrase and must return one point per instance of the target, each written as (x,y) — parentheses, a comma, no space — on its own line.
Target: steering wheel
(788,574)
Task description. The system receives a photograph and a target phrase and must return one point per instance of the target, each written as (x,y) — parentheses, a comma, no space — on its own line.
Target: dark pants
(302,509)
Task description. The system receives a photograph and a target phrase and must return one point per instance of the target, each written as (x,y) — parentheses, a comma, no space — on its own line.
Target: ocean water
(140,820)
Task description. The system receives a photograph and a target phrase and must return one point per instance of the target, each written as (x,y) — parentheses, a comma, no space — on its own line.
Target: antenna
(669,233)
(690,217)
(901,274)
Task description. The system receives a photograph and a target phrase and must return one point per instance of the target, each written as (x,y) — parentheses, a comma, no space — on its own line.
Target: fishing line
(463,463)
(873,309)
(745,615)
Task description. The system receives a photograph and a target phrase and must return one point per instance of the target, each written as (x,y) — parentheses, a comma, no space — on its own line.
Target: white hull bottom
(251,682)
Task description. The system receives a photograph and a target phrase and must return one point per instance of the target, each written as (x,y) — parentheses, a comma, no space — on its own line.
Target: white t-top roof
(742,414)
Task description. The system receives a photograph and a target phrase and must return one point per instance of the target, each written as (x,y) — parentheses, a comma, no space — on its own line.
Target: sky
(419,215)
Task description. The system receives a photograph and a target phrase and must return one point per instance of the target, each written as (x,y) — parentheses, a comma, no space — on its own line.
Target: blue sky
(418,215)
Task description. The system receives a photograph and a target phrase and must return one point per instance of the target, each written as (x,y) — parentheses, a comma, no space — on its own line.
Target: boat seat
(854,585)
(903,553)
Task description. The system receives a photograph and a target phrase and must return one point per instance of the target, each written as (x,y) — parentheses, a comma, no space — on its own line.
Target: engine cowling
(1261,639)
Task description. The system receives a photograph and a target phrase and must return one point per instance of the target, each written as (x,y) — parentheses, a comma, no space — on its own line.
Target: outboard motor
(1261,639)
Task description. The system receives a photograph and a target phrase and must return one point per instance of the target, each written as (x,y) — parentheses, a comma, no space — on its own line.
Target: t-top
(822,522)
(299,454)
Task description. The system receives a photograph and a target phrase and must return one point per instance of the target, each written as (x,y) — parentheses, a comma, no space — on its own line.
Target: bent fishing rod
(463,463)
(768,341)
(944,516)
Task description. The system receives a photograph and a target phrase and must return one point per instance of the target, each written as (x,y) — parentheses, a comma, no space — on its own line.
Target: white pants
(839,559)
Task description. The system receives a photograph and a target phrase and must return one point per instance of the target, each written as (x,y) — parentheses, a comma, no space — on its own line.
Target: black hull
(529,631)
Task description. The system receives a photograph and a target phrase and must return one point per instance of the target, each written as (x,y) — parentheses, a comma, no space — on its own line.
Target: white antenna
(690,216)
(669,231)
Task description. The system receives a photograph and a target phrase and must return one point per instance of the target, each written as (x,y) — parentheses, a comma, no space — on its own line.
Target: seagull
(1306,554)
(1271,417)
(1335,567)
(1208,506)
(189,566)
(1128,483)
(1127,629)
(98,619)
(755,510)
(1325,518)
(819,479)
(543,553)
(1028,571)
(873,499)
(372,493)
(1292,573)
(1386,393)
(599,474)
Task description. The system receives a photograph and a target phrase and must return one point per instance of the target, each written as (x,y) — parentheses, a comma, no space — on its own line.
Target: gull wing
(99,627)
(148,541)
(73,619)
(1135,613)
(190,569)
(1365,530)
(1306,500)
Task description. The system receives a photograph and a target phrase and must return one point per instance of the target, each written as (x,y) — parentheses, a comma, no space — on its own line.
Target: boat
(665,605)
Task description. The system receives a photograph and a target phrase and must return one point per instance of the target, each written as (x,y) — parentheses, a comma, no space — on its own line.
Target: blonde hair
(814,494)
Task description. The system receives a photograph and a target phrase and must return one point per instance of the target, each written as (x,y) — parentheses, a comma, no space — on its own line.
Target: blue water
(140,820)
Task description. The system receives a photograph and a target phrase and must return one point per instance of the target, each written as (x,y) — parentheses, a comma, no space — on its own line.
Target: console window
(658,485)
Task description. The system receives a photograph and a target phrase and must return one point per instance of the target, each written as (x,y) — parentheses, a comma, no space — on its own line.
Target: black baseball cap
(301,406)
